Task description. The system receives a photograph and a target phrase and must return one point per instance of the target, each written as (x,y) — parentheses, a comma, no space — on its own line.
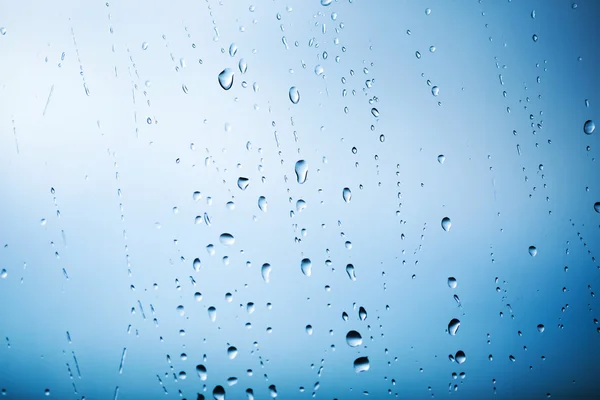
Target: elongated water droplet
(262,203)
(326,2)
(243,66)
(446,224)
(375,112)
(453,326)
(361,364)
(306,266)
(532,251)
(265,271)
(294,95)
(353,339)
(589,127)
(452,282)
(350,272)
(301,171)
(227,239)
(347,195)
(226,78)
(212,313)
(233,49)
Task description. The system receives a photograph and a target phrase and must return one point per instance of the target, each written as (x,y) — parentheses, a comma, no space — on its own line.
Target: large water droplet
(262,203)
(232,352)
(446,224)
(532,251)
(460,357)
(243,182)
(347,195)
(301,171)
(361,364)
(227,239)
(233,49)
(201,371)
(265,271)
(350,272)
(541,328)
(226,78)
(353,339)
(219,393)
(197,264)
(435,91)
(452,282)
(453,326)
(589,127)
(306,266)
(294,95)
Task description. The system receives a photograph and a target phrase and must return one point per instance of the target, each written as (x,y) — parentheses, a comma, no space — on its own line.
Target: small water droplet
(3,273)
(226,78)
(362,313)
(309,329)
(197,264)
(441,158)
(353,339)
(541,328)
(534,37)
(326,2)
(243,66)
(232,352)
(262,203)
(452,282)
(265,272)
(597,206)
(243,182)
(319,70)
(361,364)
(446,224)
(532,251)
(350,272)
(294,95)
(145,46)
(3,31)
(212,313)
(460,357)
(233,49)
(375,112)
(435,91)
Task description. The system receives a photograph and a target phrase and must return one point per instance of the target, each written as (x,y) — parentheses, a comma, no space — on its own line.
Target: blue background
(111,226)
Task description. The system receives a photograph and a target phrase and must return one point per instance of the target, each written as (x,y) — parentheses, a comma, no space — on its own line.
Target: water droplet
(427,11)
(441,158)
(452,282)
(197,196)
(212,313)
(347,195)
(362,313)
(145,46)
(219,393)
(3,31)
(350,272)
(43,221)
(272,391)
(306,266)
(243,182)
(533,14)
(361,364)
(301,171)
(227,239)
(309,329)
(3,273)
(446,224)
(432,49)
(232,352)
(453,326)
(265,271)
(460,357)
(201,371)
(435,90)
(243,66)
(541,328)
(589,127)
(326,2)
(597,206)
(532,251)
(534,37)
(262,203)
(375,112)
(319,70)
(233,49)
(294,95)
(353,339)
(226,78)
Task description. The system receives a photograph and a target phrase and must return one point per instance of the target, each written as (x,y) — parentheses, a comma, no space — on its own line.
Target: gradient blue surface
(112,116)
